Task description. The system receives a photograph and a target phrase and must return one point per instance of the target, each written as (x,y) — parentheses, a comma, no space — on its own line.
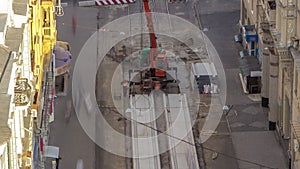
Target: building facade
(42,40)
(295,106)
(27,81)
(278,27)
(16,86)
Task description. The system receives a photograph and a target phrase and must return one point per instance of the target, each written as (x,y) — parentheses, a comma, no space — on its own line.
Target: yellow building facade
(42,40)
(27,77)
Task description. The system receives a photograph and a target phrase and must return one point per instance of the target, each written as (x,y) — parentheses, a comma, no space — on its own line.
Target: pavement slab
(252,116)
(260,149)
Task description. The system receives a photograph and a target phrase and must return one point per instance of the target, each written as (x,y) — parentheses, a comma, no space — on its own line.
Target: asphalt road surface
(69,136)
(219,21)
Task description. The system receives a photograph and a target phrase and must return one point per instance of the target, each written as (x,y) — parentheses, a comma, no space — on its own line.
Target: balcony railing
(296,129)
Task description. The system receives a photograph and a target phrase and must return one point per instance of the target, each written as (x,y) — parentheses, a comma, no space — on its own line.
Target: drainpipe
(290,154)
(257,4)
(296,15)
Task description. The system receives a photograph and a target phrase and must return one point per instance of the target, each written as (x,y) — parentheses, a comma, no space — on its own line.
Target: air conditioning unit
(34,113)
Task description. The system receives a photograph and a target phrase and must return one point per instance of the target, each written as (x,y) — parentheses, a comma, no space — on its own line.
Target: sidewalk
(254,145)
(258,147)
(242,141)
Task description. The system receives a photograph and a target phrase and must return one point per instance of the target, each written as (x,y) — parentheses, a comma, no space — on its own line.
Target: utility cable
(194,144)
(206,148)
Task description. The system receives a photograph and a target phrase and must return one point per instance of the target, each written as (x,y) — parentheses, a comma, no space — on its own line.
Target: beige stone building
(277,24)
(15,86)
(295,135)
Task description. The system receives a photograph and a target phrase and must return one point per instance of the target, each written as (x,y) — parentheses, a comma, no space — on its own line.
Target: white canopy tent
(52,151)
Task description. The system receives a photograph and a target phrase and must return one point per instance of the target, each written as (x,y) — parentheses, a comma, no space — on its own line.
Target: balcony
(47,33)
(276,36)
(268,41)
(48,2)
(296,130)
(265,26)
(22,92)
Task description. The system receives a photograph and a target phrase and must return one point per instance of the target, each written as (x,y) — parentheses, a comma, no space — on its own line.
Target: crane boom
(150,24)
(153,47)
(155,75)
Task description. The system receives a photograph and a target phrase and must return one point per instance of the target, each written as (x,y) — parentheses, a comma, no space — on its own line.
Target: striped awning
(112,2)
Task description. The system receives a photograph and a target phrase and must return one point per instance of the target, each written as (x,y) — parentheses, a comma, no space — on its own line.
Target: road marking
(64,4)
(179,13)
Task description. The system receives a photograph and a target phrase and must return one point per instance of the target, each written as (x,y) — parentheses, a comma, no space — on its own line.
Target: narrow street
(69,136)
(242,139)
(242,136)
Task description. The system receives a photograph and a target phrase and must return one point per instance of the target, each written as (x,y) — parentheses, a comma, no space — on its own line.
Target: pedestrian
(79,164)
(74,24)
(68,111)
(57,161)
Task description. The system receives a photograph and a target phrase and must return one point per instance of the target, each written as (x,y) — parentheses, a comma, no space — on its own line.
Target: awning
(249,64)
(52,151)
(62,60)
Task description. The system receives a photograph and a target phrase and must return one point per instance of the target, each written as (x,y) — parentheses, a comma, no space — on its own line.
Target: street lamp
(59,10)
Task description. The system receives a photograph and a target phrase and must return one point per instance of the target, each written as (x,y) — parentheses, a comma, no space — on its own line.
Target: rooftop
(3,18)
(5,70)
(20,7)
(207,69)
(13,38)
(4,53)
(248,64)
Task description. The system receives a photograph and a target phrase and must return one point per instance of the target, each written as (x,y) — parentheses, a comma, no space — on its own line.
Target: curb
(80,3)
(197,16)
(86,3)
(243,84)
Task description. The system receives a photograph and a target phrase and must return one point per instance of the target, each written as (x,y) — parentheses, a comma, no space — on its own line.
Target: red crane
(156,57)
(154,77)
(153,47)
